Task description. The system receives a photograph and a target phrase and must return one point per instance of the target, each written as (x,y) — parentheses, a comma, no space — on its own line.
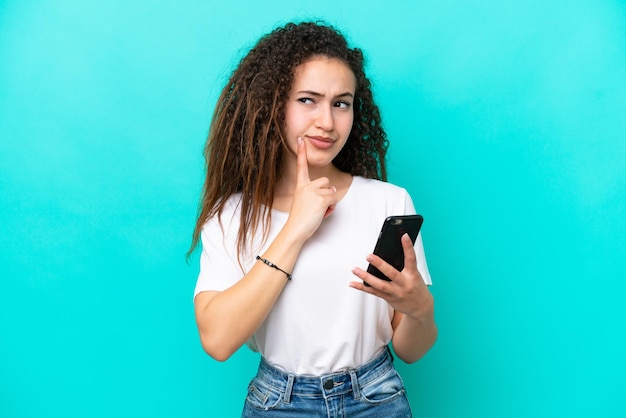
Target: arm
(226,320)
(414,336)
(413,323)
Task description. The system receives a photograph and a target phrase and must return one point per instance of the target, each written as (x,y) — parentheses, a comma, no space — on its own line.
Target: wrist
(293,234)
(425,310)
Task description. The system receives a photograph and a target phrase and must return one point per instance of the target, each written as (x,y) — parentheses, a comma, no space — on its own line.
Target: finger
(409,252)
(384,267)
(329,210)
(376,286)
(302,164)
(332,193)
(360,286)
(370,290)
(327,191)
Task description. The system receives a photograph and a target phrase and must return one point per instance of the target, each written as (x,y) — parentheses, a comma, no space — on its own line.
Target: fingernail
(300,140)
(334,189)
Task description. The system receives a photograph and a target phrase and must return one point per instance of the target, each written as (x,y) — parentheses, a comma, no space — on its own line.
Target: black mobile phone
(389,244)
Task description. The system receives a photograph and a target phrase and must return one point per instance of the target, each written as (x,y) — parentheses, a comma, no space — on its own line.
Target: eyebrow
(316,94)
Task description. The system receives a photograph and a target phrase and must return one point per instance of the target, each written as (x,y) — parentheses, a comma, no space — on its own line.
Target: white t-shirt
(319,324)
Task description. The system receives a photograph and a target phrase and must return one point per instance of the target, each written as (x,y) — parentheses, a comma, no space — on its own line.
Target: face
(319,108)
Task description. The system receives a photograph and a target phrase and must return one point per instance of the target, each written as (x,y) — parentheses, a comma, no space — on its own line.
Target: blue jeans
(372,390)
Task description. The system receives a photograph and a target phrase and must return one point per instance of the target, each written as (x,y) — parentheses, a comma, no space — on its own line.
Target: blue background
(506,121)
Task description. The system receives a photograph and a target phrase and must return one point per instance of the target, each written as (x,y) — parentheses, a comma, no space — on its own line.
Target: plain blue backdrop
(506,121)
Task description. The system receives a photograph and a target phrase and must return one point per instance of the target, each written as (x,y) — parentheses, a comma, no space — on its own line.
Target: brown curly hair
(245,145)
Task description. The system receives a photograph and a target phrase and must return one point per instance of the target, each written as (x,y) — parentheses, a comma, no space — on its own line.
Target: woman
(292,204)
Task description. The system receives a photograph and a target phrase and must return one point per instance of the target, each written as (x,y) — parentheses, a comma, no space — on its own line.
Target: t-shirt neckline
(281,213)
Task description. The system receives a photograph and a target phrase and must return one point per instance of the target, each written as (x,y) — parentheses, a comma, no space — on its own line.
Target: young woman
(292,204)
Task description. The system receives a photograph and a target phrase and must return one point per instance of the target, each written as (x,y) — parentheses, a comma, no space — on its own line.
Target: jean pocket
(386,388)
(262,396)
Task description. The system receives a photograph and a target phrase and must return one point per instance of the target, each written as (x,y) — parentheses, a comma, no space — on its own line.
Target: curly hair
(246,141)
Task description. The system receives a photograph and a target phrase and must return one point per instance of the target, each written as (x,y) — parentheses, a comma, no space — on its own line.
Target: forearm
(226,320)
(415,335)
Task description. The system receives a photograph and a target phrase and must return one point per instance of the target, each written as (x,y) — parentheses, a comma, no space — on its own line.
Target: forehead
(324,73)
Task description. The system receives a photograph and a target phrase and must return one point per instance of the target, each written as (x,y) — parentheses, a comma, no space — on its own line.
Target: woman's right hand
(313,200)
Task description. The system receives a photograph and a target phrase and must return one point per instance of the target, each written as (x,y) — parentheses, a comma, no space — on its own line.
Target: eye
(342,104)
(306,100)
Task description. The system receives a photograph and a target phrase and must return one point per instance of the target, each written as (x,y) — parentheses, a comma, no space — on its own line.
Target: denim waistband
(327,385)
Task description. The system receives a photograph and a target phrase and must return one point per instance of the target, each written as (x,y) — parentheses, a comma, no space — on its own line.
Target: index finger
(302,164)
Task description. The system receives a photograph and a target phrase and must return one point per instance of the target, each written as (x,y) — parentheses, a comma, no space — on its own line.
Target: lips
(321,142)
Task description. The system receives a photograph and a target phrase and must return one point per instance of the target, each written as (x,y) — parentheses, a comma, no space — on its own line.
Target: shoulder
(228,217)
(395,199)
(377,186)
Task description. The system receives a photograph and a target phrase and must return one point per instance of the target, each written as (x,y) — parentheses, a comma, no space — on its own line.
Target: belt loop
(289,387)
(356,390)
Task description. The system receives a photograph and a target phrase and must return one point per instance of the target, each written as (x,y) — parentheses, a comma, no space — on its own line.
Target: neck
(287,182)
(285,187)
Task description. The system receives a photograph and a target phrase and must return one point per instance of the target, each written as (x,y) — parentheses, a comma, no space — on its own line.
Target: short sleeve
(219,267)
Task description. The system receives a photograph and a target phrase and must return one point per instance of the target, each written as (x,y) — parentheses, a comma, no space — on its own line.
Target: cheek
(293,122)
(291,131)
(346,125)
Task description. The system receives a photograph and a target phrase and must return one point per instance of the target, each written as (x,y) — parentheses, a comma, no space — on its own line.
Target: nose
(325,118)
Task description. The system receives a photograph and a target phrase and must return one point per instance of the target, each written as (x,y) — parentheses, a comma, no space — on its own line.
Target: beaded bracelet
(272,265)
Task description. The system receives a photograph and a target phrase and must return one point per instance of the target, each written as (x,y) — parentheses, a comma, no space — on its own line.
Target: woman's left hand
(406,292)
